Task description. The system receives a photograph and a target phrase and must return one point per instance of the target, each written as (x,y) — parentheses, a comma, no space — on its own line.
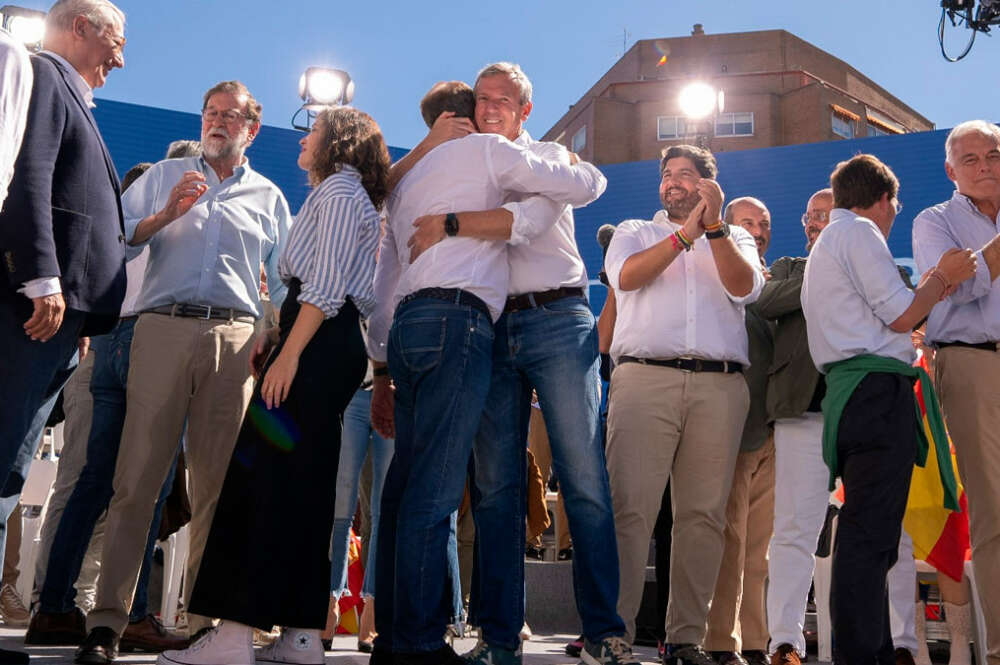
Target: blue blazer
(63,214)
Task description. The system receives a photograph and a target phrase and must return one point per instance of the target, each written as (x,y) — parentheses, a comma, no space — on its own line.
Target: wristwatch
(720,233)
(451,224)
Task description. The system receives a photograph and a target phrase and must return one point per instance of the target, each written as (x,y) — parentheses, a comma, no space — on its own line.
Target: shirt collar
(661,217)
(76,79)
(524,139)
(241,172)
(961,199)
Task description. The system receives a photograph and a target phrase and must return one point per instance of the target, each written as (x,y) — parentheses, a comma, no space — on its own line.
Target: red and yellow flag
(940,536)
(351,605)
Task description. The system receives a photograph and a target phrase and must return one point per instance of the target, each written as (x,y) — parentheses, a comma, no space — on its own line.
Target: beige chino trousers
(738,619)
(179,368)
(968,384)
(686,426)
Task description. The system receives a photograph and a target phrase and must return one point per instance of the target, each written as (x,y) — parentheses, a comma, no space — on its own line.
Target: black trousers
(267,557)
(876,449)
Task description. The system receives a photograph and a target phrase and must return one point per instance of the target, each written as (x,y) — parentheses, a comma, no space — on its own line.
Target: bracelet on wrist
(380,371)
(713,227)
(684,240)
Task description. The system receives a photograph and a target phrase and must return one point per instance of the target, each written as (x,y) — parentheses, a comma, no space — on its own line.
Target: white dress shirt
(685,312)
(46,286)
(543,256)
(471,173)
(135,271)
(972,313)
(16,74)
(851,292)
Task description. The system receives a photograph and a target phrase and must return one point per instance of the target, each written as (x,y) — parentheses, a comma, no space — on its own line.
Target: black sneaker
(574,648)
(532,552)
(443,656)
(756,657)
(686,654)
(728,658)
(565,554)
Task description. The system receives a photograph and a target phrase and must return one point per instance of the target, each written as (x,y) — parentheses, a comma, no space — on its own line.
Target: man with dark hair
(454,97)
(190,354)
(442,300)
(966,329)
(678,399)
(859,315)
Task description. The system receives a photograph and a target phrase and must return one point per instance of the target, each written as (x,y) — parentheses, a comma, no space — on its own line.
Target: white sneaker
(229,643)
(296,646)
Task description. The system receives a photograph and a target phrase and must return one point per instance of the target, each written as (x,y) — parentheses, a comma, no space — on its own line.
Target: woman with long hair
(267,557)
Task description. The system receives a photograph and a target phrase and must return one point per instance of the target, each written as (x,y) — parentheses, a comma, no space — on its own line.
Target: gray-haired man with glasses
(210,222)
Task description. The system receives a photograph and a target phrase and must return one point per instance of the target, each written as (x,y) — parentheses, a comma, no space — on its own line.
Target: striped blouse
(331,246)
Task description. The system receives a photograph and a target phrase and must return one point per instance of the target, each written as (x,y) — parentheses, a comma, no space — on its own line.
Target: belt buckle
(208,313)
(641,361)
(697,365)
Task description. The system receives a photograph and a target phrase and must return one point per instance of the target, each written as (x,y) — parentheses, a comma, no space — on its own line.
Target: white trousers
(800,500)
(902,580)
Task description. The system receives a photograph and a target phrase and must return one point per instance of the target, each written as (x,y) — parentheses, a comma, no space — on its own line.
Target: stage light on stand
(320,87)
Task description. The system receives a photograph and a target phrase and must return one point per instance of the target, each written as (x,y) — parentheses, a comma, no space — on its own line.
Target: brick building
(778,90)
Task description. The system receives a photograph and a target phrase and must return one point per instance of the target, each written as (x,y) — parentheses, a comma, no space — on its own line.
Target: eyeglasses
(816,216)
(106,30)
(230,117)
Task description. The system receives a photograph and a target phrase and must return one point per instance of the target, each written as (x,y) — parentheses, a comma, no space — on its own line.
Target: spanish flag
(352,605)
(940,536)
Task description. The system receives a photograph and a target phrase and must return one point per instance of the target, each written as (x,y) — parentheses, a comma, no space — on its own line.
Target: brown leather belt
(689,364)
(540,298)
(203,312)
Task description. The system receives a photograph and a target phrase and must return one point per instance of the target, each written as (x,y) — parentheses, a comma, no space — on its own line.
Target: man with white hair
(965,328)
(61,233)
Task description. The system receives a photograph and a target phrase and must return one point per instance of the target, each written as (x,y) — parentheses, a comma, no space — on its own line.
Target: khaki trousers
(738,619)
(538,444)
(686,426)
(79,408)
(179,368)
(968,383)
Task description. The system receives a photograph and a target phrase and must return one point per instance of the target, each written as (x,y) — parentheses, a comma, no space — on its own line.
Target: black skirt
(267,558)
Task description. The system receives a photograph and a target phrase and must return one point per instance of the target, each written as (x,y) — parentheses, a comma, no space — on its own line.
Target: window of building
(579,140)
(875,130)
(671,127)
(842,126)
(734,124)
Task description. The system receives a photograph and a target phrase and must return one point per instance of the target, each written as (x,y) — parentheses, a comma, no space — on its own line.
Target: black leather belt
(539,298)
(456,296)
(689,364)
(204,312)
(982,346)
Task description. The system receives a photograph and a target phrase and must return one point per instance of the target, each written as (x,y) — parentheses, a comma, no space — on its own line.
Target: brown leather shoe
(57,628)
(785,654)
(904,657)
(149,635)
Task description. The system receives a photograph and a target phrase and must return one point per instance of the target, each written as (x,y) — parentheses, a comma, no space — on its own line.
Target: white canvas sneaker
(229,643)
(296,646)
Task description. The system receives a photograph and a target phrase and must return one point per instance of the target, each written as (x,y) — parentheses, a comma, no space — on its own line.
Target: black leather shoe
(756,657)
(728,658)
(100,647)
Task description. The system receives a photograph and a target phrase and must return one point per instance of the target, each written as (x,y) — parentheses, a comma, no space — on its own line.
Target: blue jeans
(440,358)
(93,488)
(357,439)
(31,376)
(553,349)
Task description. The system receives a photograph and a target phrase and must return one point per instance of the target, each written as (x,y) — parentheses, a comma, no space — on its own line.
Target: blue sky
(396,50)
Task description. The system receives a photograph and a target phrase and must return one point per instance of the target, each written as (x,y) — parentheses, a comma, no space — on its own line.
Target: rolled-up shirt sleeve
(874,274)
(387,273)
(623,245)
(282,224)
(931,239)
(533,217)
(514,168)
(747,247)
(139,202)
